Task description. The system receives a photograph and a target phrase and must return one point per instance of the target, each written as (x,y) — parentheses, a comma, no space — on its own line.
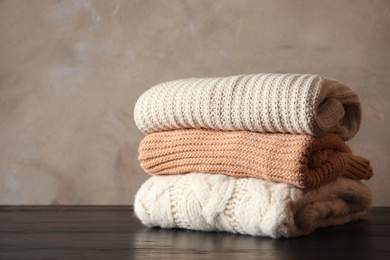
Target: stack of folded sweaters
(261,154)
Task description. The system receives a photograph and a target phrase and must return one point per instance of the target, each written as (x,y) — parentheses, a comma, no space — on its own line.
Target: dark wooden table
(113,232)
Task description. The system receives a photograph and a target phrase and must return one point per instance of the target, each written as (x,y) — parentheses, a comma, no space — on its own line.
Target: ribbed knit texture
(216,202)
(302,160)
(285,103)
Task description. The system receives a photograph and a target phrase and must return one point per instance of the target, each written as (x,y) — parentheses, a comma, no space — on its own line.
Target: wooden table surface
(113,232)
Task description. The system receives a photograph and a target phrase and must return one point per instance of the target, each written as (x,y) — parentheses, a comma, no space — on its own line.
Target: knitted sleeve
(283,103)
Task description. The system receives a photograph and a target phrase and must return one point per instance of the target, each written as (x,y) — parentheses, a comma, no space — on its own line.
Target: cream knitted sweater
(286,103)
(217,202)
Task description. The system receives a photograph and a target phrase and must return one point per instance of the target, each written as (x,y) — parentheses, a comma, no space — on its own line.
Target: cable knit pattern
(285,103)
(302,160)
(216,202)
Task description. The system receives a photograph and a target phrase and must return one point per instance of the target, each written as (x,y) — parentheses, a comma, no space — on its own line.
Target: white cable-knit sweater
(286,103)
(216,202)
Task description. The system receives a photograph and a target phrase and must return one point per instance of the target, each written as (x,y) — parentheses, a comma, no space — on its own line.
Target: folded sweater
(217,202)
(285,103)
(302,160)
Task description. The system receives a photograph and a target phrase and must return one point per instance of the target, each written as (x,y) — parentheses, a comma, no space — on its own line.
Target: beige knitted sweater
(285,103)
(217,202)
(302,160)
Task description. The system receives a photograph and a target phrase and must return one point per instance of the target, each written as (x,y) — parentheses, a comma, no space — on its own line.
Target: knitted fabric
(285,103)
(302,160)
(217,202)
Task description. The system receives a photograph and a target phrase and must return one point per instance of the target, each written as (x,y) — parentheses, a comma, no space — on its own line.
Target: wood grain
(113,232)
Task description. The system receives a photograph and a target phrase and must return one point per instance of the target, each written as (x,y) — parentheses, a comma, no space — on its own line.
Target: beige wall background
(71,71)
